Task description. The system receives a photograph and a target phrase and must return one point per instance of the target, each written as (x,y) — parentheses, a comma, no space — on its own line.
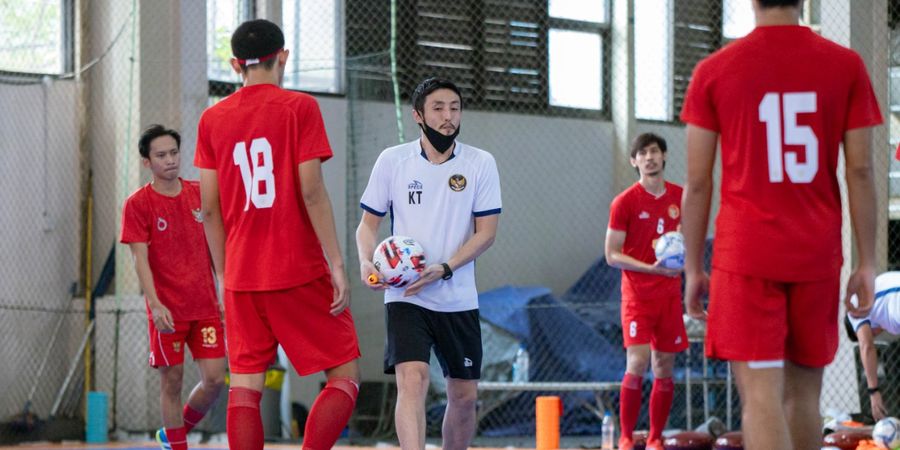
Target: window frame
(485,36)
(670,86)
(340,54)
(223,88)
(248,12)
(679,52)
(604,30)
(66,56)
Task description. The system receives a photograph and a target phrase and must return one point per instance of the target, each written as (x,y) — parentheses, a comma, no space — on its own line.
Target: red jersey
(172,227)
(781,99)
(644,218)
(255,139)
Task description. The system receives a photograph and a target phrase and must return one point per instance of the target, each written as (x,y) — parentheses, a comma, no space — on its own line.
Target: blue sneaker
(162,440)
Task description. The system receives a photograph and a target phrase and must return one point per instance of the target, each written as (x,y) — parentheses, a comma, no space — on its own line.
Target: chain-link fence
(78,82)
(561,145)
(554,89)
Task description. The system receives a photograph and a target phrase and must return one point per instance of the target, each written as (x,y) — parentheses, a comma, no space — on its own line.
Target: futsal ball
(670,250)
(886,433)
(400,260)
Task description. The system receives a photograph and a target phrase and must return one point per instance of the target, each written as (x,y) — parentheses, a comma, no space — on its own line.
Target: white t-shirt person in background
(445,195)
(884,317)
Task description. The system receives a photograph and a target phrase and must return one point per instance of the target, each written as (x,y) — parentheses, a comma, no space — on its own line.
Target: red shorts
(205,338)
(754,319)
(298,318)
(656,322)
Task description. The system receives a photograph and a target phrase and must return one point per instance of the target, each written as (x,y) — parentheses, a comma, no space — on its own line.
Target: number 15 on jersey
(791,104)
(256,172)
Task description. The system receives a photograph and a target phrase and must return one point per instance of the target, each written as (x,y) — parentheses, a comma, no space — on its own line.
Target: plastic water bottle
(520,365)
(608,433)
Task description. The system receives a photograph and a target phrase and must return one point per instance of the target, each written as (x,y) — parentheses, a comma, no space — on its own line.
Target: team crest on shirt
(161,224)
(674,212)
(644,215)
(198,215)
(457,182)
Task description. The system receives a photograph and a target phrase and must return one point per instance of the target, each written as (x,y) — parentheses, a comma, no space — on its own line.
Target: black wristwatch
(448,274)
(873,390)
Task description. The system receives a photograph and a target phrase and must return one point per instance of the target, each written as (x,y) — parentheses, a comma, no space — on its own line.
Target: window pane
(575,69)
(311,32)
(222,18)
(583,10)
(737,18)
(653,59)
(31,36)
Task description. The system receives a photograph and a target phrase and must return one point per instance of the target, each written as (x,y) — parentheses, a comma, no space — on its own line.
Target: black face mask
(439,141)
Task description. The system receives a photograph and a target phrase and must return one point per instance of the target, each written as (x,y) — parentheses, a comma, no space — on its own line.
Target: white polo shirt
(885,313)
(435,204)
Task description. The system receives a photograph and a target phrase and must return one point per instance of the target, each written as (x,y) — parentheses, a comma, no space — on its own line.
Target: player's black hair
(427,87)
(851,333)
(152,132)
(255,39)
(646,139)
(778,3)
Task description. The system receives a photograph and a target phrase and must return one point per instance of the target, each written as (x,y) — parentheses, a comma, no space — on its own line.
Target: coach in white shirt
(884,316)
(445,195)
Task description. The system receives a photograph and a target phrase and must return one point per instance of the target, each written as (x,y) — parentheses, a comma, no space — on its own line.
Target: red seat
(846,439)
(639,437)
(689,440)
(733,440)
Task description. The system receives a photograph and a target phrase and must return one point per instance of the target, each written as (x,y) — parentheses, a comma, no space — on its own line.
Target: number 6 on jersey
(261,173)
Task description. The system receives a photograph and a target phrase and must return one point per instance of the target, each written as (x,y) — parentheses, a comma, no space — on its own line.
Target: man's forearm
(365,242)
(869,357)
(144,274)
(694,220)
(473,248)
(861,196)
(620,260)
(215,239)
(322,218)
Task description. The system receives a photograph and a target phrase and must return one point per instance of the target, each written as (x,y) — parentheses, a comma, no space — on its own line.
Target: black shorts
(412,331)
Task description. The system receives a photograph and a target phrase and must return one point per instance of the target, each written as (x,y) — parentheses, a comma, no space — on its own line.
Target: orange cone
(548,410)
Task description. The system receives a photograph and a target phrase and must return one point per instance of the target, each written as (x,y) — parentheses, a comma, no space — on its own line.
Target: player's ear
(283,57)
(236,66)
(145,162)
(417,117)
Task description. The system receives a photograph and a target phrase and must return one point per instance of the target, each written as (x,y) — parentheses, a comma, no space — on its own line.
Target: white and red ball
(399,260)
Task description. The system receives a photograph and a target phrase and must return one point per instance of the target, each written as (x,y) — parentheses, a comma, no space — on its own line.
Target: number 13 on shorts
(256,172)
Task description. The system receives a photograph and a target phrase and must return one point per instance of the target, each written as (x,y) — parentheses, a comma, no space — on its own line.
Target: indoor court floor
(153,446)
(149,445)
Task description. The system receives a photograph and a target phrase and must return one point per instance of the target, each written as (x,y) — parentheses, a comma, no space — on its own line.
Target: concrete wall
(40,237)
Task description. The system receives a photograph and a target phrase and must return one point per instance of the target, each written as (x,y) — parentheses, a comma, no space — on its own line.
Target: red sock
(330,413)
(191,418)
(244,424)
(660,404)
(629,403)
(176,437)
